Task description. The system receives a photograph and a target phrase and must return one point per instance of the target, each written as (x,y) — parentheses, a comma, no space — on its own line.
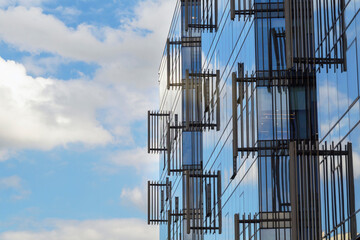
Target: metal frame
(202,101)
(158,194)
(173,54)
(259,10)
(202,202)
(240,93)
(307,159)
(264,220)
(300,37)
(157,125)
(206,18)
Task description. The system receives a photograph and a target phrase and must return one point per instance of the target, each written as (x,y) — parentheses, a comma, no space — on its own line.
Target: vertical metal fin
(219,192)
(168,62)
(288,33)
(187,99)
(218,103)
(236,227)
(232,9)
(168,147)
(353,230)
(188,220)
(235,125)
(186,15)
(148,203)
(293,190)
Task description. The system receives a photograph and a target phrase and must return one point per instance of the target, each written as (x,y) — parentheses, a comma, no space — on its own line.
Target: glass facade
(259,121)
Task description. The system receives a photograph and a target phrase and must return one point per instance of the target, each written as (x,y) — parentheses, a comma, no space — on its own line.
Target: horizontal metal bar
(264,220)
(207,26)
(319,60)
(204,228)
(160,114)
(254,11)
(158,184)
(177,214)
(158,149)
(184,41)
(158,221)
(255,149)
(202,75)
(195,175)
(323,152)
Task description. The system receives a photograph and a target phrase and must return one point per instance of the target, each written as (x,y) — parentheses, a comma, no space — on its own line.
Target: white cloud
(137,158)
(10,182)
(129,54)
(43,113)
(134,196)
(68,11)
(113,229)
(41,66)
(14,183)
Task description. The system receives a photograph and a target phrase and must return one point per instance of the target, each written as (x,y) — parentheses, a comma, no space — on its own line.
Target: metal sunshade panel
(248,8)
(337,191)
(157,131)
(247,226)
(173,52)
(175,222)
(159,201)
(329,17)
(322,174)
(201,15)
(202,101)
(202,202)
(243,94)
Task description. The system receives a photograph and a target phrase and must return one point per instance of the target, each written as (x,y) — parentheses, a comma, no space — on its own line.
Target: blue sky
(77,79)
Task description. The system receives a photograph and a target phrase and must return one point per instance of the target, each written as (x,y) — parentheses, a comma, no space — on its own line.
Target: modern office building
(258,125)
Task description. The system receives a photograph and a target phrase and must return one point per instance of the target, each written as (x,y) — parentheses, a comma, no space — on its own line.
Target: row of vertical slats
(241,7)
(329,16)
(338,193)
(243,94)
(174,62)
(202,101)
(203,202)
(278,36)
(173,49)
(175,222)
(336,189)
(304,182)
(157,131)
(300,25)
(174,151)
(246,227)
(201,15)
(157,213)
(330,35)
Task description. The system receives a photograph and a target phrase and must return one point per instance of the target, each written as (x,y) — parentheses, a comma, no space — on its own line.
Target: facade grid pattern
(258,130)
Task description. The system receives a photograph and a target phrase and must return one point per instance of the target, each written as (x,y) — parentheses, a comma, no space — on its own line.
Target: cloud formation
(15,185)
(43,113)
(135,197)
(128,54)
(113,229)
